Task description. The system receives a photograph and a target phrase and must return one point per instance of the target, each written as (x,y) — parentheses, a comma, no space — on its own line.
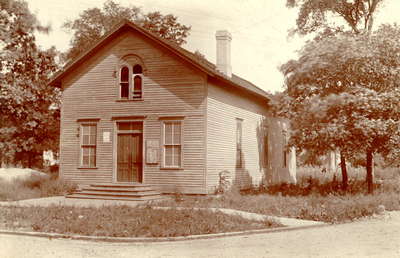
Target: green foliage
(28,106)
(56,187)
(316,15)
(342,94)
(319,198)
(14,191)
(93,23)
(124,221)
(329,208)
(34,187)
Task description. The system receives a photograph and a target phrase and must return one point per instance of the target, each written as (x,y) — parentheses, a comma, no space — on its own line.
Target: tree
(317,15)
(28,106)
(94,22)
(343,93)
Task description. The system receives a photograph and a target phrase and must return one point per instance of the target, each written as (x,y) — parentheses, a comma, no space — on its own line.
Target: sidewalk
(61,200)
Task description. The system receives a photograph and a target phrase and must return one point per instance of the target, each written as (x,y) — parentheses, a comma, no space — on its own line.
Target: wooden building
(137,108)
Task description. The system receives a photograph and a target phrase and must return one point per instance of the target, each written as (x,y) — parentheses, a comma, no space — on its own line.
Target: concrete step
(119,185)
(121,198)
(107,193)
(117,189)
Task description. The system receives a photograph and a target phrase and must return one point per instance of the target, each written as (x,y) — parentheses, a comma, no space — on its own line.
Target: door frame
(115,148)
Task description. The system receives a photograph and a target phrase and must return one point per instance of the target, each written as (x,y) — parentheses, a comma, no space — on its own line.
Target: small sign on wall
(106,136)
(152,148)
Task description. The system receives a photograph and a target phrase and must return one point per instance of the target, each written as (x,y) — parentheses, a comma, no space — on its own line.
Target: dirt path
(376,237)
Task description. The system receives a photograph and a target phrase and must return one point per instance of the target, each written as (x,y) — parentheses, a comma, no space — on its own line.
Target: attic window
(137,82)
(124,83)
(131,82)
(137,69)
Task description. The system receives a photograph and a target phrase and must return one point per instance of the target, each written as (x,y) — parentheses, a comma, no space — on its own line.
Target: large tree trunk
(343,167)
(370,172)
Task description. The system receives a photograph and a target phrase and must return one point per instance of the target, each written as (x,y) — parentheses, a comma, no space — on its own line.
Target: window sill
(129,100)
(87,167)
(171,168)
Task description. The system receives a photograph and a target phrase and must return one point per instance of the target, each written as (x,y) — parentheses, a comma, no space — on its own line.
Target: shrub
(13,191)
(53,187)
(34,187)
(33,181)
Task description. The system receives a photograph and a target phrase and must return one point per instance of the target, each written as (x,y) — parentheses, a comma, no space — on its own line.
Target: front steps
(117,191)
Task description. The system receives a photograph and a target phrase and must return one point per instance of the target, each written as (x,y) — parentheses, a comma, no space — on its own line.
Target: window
(239,154)
(88,145)
(137,69)
(124,83)
(285,153)
(131,87)
(266,151)
(137,82)
(172,144)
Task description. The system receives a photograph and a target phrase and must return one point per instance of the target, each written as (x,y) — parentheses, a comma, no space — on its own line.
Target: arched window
(124,82)
(137,86)
(137,69)
(137,82)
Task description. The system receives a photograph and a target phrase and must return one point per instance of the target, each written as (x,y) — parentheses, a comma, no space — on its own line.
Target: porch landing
(117,191)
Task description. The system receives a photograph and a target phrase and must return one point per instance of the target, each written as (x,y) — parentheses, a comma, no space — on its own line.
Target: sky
(259,28)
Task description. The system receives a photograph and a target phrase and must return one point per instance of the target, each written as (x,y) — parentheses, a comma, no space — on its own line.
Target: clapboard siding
(171,88)
(224,107)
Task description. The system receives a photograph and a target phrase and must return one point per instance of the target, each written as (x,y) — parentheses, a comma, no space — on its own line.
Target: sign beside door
(152,150)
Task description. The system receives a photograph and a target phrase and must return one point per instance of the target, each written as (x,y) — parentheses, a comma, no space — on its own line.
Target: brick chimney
(224,52)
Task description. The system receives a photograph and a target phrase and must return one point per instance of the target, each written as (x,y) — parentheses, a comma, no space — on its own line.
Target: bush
(13,191)
(53,187)
(33,181)
(34,187)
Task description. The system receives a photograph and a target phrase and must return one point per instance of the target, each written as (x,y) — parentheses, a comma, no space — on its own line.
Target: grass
(33,187)
(317,196)
(314,198)
(124,221)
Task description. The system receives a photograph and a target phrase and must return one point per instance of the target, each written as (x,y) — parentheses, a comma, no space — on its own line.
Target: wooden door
(129,158)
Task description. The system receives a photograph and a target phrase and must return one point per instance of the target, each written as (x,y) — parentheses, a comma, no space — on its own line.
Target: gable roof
(201,63)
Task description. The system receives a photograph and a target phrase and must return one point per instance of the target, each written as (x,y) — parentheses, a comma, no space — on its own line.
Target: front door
(129,157)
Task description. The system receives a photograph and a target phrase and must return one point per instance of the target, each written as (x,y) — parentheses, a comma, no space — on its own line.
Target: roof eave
(226,80)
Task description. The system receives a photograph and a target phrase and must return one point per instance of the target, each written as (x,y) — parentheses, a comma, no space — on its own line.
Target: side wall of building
(260,132)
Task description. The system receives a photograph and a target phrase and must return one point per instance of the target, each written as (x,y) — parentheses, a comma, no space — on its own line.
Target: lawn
(125,221)
(318,197)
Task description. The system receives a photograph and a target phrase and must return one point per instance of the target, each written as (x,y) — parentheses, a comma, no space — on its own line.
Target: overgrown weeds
(125,221)
(34,187)
(313,198)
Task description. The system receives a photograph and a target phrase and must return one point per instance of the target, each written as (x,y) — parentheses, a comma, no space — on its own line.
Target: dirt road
(376,237)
